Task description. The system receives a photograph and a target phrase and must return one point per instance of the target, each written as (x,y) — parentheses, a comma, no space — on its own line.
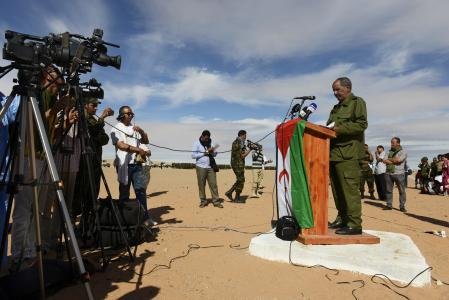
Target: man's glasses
(94,104)
(129,114)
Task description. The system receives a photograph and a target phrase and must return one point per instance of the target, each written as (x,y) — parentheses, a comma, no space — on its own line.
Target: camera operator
(238,154)
(97,139)
(206,168)
(127,139)
(23,227)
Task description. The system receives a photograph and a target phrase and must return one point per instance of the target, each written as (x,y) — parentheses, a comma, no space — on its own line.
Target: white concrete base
(396,256)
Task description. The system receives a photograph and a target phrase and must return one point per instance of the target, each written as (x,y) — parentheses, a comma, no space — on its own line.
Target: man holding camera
(97,139)
(238,153)
(23,228)
(206,168)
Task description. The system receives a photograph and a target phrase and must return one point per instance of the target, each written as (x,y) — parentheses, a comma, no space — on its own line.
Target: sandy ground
(223,269)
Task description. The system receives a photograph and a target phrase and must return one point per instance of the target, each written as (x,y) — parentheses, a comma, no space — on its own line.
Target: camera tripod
(87,153)
(29,112)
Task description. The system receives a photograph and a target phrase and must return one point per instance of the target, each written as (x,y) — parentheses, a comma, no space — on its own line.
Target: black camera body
(59,49)
(253,146)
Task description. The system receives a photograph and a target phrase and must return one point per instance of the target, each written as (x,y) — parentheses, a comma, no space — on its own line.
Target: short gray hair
(345,81)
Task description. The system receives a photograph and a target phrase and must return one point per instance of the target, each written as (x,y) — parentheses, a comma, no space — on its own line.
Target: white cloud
(248,29)
(75,16)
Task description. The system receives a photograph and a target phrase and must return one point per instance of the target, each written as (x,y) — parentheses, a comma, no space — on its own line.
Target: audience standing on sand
(238,154)
(396,173)
(379,172)
(127,139)
(204,154)
(367,174)
(258,167)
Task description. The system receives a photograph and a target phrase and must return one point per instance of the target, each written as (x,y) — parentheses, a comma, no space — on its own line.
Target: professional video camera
(90,89)
(60,49)
(253,146)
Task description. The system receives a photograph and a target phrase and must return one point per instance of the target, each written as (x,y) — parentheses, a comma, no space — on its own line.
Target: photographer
(238,155)
(127,139)
(23,231)
(206,168)
(97,139)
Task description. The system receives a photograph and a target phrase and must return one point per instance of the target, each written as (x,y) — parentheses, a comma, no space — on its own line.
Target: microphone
(305,98)
(307,111)
(295,108)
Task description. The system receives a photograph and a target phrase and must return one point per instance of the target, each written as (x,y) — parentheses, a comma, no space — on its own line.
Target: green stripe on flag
(302,208)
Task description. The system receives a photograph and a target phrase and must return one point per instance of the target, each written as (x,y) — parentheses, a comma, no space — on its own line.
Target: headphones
(121,113)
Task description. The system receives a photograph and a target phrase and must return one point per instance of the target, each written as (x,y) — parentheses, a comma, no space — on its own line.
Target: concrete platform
(395,256)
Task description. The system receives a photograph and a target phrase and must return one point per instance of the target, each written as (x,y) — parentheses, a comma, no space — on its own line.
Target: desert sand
(223,269)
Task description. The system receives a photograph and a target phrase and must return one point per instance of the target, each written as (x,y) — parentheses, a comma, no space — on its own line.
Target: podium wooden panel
(316,143)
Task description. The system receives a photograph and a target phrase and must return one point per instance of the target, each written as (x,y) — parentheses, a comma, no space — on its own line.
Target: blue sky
(188,65)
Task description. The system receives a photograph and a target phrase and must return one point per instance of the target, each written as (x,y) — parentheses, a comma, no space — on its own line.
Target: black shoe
(336,224)
(229,195)
(348,231)
(403,209)
(218,204)
(203,204)
(387,208)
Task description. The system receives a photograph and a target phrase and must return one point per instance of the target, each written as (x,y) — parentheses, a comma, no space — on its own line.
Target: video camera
(253,146)
(60,49)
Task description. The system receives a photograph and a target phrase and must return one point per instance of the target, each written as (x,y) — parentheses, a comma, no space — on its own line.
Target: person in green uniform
(367,174)
(348,119)
(424,167)
(95,141)
(238,153)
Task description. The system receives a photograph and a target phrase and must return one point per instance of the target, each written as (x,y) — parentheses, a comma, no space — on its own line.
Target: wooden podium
(316,143)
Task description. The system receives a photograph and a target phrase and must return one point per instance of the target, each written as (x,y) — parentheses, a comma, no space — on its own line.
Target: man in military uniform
(425,174)
(97,139)
(348,119)
(238,154)
(367,174)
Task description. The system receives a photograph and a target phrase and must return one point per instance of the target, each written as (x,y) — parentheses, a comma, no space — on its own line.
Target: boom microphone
(305,98)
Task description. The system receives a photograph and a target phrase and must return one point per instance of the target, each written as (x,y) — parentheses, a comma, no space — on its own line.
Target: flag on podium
(293,195)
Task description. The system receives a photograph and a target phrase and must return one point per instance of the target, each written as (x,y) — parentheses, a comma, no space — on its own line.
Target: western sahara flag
(293,195)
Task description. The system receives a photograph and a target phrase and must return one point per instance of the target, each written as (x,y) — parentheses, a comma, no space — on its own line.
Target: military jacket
(236,155)
(425,170)
(351,120)
(367,159)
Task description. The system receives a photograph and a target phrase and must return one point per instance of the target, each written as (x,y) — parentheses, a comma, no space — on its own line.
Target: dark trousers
(381,185)
(239,179)
(137,178)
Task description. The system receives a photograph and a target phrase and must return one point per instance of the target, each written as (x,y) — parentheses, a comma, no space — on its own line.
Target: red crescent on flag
(282,174)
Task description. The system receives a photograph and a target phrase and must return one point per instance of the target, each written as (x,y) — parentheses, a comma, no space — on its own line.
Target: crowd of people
(433,178)
(76,135)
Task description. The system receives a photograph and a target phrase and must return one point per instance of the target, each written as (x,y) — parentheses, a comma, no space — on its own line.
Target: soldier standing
(367,174)
(425,174)
(238,154)
(348,119)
